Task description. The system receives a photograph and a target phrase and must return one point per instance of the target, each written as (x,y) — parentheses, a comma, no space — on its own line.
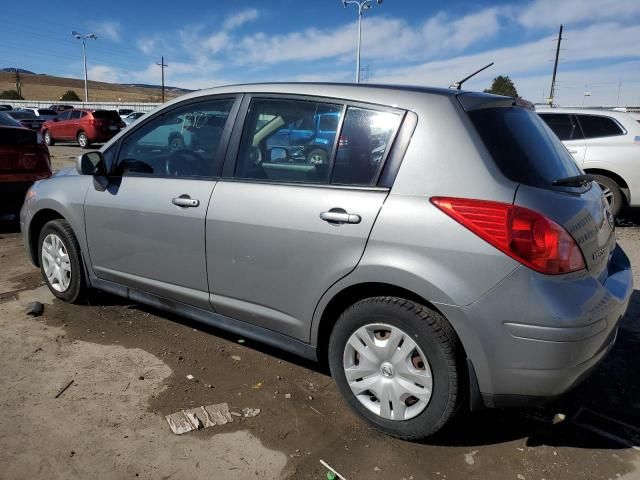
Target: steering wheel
(185,163)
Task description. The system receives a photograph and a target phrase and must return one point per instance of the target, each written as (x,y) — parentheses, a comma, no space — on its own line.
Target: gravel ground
(130,364)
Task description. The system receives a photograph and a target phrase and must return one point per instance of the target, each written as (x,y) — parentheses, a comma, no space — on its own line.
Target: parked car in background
(123,112)
(27,119)
(605,144)
(5,108)
(23,160)
(60,108)
(82,125)
(456,254)
(132,117)
(43,113)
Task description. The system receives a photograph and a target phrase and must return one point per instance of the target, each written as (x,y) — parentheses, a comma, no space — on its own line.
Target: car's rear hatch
(22,158)
(107,120)
(527,152)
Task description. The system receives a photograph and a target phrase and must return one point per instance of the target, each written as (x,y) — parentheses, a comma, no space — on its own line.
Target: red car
(82,125)
(23,159)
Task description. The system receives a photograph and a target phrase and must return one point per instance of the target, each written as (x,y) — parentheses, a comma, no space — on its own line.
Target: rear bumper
(12,195)
(535,336)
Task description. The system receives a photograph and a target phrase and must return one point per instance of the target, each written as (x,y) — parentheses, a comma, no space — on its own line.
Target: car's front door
(146,229)
(280,232)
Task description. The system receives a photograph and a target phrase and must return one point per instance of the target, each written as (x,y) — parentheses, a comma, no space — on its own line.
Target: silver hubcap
(316,159)
(82,139)
(608,196)
(387,372)
(55,262)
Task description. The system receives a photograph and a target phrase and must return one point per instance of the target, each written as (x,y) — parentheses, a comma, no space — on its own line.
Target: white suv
(605,144)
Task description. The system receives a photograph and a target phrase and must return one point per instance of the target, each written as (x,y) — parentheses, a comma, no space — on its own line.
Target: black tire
(435,337)
(317,156)
(77,287)
(83,140)
(48,139)
(615,198)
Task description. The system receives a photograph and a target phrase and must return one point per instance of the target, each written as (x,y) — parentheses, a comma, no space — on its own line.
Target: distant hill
(167,88)
(48,87)
(13,70)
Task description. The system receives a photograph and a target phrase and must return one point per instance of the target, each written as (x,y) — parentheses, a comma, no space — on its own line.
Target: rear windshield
(107,115)
(523,147)
(22,115)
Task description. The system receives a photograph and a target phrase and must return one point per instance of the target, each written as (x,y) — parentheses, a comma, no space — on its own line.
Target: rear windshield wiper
(576,181)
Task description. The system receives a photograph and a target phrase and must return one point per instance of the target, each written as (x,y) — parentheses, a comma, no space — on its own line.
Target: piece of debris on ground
(35,309)
(186,421)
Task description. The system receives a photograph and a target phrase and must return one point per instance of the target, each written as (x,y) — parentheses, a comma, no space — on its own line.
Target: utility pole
(162,66)
(79,36)
(18,84)
(362,6)
(555,69)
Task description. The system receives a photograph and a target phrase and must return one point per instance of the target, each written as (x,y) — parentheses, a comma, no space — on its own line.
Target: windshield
(523,147)
(44,111)
(7,121)
(22,115)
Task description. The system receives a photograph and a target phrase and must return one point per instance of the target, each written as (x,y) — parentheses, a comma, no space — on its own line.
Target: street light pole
(79,36)
(362,6)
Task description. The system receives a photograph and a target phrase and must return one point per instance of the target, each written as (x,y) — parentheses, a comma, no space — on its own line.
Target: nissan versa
(448,251)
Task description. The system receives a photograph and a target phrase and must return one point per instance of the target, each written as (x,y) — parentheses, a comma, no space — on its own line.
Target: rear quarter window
(597,126)
(523,147)
(107,115)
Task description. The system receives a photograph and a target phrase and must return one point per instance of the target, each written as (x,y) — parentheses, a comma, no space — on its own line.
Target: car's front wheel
(61,261)
(397,363)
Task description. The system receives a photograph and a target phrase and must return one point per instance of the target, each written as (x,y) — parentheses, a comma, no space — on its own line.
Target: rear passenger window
(595,126)
(364,140)
(288,141)
(562,125)
(75,114)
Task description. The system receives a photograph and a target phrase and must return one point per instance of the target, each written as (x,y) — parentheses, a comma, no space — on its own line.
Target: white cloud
(104,73)
(550,13)
(147,45)
(107,30)
(240,18)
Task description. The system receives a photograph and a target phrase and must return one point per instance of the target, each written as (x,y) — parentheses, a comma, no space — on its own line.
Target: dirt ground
(129,366)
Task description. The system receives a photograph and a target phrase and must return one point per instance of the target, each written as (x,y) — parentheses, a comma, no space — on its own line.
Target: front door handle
(573,151)
(185,201)
(337,216)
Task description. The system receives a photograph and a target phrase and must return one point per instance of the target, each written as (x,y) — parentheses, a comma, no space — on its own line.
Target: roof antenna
(458,84)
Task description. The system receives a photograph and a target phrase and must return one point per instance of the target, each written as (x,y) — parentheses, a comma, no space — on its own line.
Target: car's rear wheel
(612,193)
(48,139)
(83,140)
(397,364)
(61,261)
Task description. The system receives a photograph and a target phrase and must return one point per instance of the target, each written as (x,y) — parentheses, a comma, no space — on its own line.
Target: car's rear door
(279,233)
(146,229)
(58,127)
(567,129)
(72,126)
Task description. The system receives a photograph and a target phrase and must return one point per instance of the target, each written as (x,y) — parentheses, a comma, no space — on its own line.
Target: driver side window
(180,143)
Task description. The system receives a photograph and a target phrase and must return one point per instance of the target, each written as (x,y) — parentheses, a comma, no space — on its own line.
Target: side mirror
(278,155)
(91,163)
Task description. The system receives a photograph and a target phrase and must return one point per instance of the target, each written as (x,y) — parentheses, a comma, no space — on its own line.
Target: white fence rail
(136,106)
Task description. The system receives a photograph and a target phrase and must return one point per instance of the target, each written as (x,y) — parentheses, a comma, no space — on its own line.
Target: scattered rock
(287,395)
(35,309)
(377,469)
(190,377)
(468,457)
(250,412)
(235,357)
(520,476)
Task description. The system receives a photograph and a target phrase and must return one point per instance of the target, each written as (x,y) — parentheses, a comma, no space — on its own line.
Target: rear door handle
(338,216)
(185,201)
(573,151)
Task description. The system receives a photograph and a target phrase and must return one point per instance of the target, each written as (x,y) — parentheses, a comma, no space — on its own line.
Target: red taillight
(527,236)
(343,141)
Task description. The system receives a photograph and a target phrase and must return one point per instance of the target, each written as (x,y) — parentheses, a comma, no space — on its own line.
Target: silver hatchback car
(435,247)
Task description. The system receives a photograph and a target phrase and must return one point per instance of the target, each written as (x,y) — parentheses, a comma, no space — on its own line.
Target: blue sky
(427,42)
